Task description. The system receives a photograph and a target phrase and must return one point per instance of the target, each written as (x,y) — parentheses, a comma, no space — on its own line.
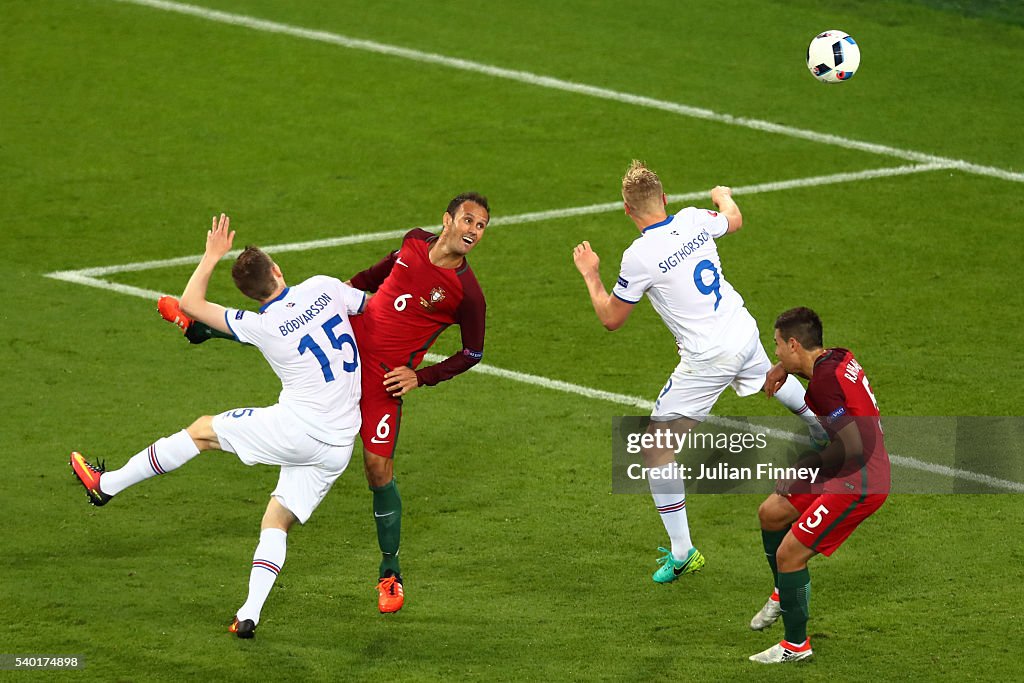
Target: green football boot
(671,568)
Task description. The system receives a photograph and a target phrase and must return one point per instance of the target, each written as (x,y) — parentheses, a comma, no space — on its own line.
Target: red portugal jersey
(839,394)
(414,302)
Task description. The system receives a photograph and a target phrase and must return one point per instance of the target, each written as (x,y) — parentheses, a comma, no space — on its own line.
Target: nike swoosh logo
(400,262)
(384,515)
(376,440)
(679,570)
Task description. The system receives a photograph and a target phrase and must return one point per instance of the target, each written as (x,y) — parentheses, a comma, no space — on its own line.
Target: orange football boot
(390,596)
(171,312)
(89,475)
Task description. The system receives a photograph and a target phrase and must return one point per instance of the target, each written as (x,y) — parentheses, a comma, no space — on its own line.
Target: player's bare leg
(670,501)
(387,514)
(267,562)
(790,393)
(167,454)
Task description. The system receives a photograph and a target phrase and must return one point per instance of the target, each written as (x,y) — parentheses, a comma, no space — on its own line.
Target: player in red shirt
(797,525)
(421,289)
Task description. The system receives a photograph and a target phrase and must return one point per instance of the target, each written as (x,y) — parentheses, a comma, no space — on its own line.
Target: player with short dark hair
(797,525)
(801,324)
(421,288)
(305,334)
(252,273)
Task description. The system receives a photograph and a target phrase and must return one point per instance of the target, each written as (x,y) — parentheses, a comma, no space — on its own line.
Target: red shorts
(828,519)
(381,412)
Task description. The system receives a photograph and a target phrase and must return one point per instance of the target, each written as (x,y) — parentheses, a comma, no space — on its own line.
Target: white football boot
(768,615)
(783,652)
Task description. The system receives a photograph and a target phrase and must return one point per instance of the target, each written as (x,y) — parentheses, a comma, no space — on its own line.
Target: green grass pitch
(124,127)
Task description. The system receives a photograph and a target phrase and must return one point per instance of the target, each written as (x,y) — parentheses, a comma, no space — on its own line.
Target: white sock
(670,500)
(169,453)
(791,395)
(266,565)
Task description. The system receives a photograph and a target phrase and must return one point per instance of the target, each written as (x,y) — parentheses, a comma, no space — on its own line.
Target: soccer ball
(833,57)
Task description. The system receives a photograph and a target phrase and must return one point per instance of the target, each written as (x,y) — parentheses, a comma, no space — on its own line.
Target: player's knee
(277,516)
(764,514)
(379,470)
(782,561)
(772,515)
(657,457)
(786,561)
(202,433)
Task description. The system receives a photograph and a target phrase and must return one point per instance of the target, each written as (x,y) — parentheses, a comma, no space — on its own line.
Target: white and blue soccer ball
(833,57)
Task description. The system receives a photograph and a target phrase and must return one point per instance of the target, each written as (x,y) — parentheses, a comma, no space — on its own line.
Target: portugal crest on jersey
(437,295)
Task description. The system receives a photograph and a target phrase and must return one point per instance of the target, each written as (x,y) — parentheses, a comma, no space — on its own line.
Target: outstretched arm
(193,300)
(611,310)
(722,197)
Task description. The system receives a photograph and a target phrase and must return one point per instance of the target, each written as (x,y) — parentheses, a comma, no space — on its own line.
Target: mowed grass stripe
(90,276)
(570,86)
(646,405)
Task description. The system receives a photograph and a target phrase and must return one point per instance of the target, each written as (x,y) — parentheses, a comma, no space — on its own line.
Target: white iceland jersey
(306,336)
(676,263)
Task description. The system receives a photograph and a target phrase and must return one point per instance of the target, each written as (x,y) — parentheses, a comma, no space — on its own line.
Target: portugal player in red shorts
(797,525)
(420,290)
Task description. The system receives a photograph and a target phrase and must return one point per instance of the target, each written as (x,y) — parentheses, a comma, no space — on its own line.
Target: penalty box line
(780,434)
(549,82)
(94,277)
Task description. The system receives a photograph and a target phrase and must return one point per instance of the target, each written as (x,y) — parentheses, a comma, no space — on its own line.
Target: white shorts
(694,386)
(273,436)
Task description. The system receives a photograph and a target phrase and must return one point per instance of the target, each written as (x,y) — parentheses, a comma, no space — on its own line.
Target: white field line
(646,406)
(89,277)
(92,277)
(569,86)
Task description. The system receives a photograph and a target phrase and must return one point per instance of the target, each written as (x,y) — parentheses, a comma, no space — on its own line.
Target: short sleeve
(633,279)
(705,219)
(825,396)
(716,223)
(354,299)
(245,325)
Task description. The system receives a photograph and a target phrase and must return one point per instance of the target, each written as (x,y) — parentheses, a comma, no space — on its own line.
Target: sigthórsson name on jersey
(680,254)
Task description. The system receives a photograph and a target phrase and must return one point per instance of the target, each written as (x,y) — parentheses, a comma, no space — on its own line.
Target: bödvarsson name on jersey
(306,336)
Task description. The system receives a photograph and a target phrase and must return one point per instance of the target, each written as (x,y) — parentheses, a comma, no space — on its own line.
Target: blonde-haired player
(676,263)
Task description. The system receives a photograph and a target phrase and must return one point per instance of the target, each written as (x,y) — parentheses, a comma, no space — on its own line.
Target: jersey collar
(822,357)
(658,225)
(280,296)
